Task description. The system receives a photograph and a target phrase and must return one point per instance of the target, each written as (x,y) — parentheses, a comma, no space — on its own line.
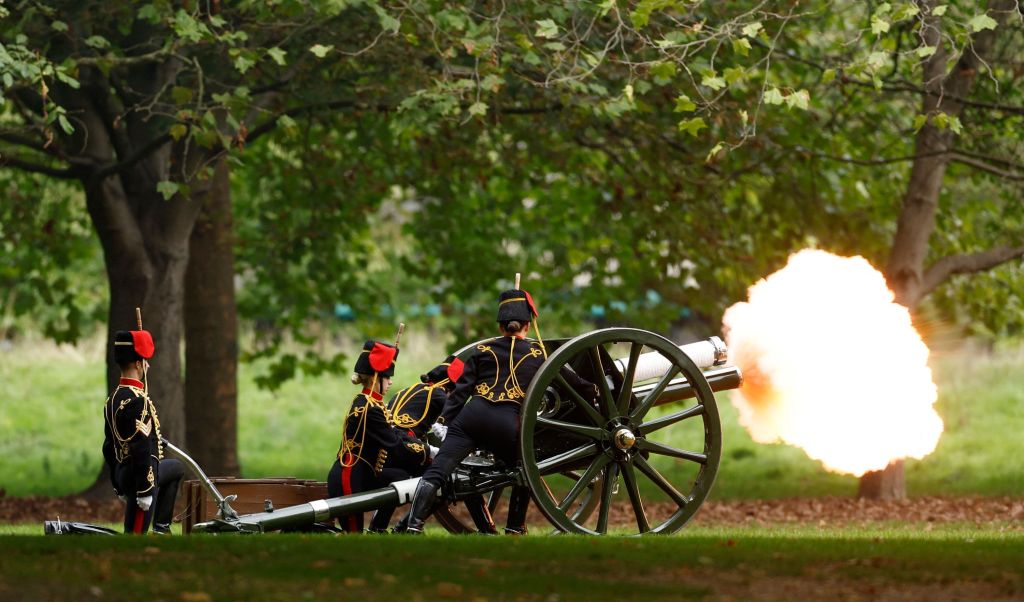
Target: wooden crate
(252,494)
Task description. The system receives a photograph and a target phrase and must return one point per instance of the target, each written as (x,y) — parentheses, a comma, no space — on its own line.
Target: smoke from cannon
(812,342)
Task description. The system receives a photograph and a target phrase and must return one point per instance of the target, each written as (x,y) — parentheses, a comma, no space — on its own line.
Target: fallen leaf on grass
(195,597)
(449,590)
(354,582)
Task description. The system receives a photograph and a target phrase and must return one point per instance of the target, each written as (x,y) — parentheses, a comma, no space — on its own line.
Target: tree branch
(985,167)
(967,263)
(67,173)
(135,157)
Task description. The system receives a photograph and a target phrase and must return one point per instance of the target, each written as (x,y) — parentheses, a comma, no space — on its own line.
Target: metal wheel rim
(709,414)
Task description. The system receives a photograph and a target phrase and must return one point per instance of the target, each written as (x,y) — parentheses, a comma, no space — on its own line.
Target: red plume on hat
(381,356)
(143,343)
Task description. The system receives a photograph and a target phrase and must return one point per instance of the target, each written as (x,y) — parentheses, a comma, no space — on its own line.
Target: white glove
(144,502)
(123,498)
(433,450)
(439,430)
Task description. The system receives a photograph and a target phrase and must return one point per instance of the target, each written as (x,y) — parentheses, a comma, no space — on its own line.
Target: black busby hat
(439,372)
(377,357)
(132,346)
(515,304)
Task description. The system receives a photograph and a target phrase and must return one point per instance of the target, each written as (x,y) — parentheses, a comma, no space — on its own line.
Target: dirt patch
(851,512)
(823,512)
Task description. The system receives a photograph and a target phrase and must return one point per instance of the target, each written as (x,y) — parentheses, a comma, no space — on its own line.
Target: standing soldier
(369,441)
(131,441)
(483,411)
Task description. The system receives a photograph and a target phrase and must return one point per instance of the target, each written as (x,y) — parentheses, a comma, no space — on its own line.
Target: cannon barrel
(678,389)
(706,354)
(301,515)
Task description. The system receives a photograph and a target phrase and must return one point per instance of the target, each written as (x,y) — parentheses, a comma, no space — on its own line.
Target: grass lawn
(761,563)
(51,428)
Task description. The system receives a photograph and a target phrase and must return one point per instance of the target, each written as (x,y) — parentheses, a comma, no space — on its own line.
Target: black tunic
(416,408)
(131,440)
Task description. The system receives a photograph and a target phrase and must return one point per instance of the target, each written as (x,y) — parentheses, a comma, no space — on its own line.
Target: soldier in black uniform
(483,410)
(413,410)
(131,441)
(369,440)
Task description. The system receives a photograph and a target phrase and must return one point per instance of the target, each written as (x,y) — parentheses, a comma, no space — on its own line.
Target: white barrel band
(321,510)
(406,489)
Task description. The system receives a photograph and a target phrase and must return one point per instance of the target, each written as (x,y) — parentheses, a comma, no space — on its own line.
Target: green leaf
(181,95)
(879,26)
(982,21)
(478,108)
(178,131)
(59,26)
(320,51)
(919,121)
(711,80)
(684,104)
(941,120)
(149,13)
(798,100)
(98,42)
(741,46)
(65,124)
(278,55)
(546,29)
(905,11)
(828,75)
(938,11)
(286,122)
(773,96)
(167,189)
(243,63)
(714,151)
(751,30)
(663,72)
(389,23)
(877,59)
(734,74)
(926,51)
(955,125)
(692,126)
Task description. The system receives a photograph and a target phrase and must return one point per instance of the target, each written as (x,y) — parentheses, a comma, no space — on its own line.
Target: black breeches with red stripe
(161,511)
(346,480)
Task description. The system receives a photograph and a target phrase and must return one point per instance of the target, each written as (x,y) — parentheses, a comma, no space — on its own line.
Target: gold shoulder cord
(110,414)
(350,445)
(404,420)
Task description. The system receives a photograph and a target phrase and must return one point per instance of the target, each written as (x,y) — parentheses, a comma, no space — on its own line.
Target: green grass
(738,563)
(51,428)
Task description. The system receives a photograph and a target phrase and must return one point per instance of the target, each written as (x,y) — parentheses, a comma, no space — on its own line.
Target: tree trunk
(145,251)
(887,484)
(211,331)
(906,268)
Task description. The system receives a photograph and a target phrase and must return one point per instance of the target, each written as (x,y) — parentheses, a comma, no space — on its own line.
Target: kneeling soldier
(131,441)
(369,440)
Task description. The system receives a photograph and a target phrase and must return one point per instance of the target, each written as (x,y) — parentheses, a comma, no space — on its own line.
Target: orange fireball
(833,365)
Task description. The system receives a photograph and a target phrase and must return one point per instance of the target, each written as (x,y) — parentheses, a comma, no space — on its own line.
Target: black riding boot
(518,503)
(381,519)
(481,515)
(423,501)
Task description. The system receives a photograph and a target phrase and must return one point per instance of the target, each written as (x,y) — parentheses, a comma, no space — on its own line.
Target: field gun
(573,451)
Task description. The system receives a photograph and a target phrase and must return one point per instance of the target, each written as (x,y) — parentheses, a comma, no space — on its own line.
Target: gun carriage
(573,451)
